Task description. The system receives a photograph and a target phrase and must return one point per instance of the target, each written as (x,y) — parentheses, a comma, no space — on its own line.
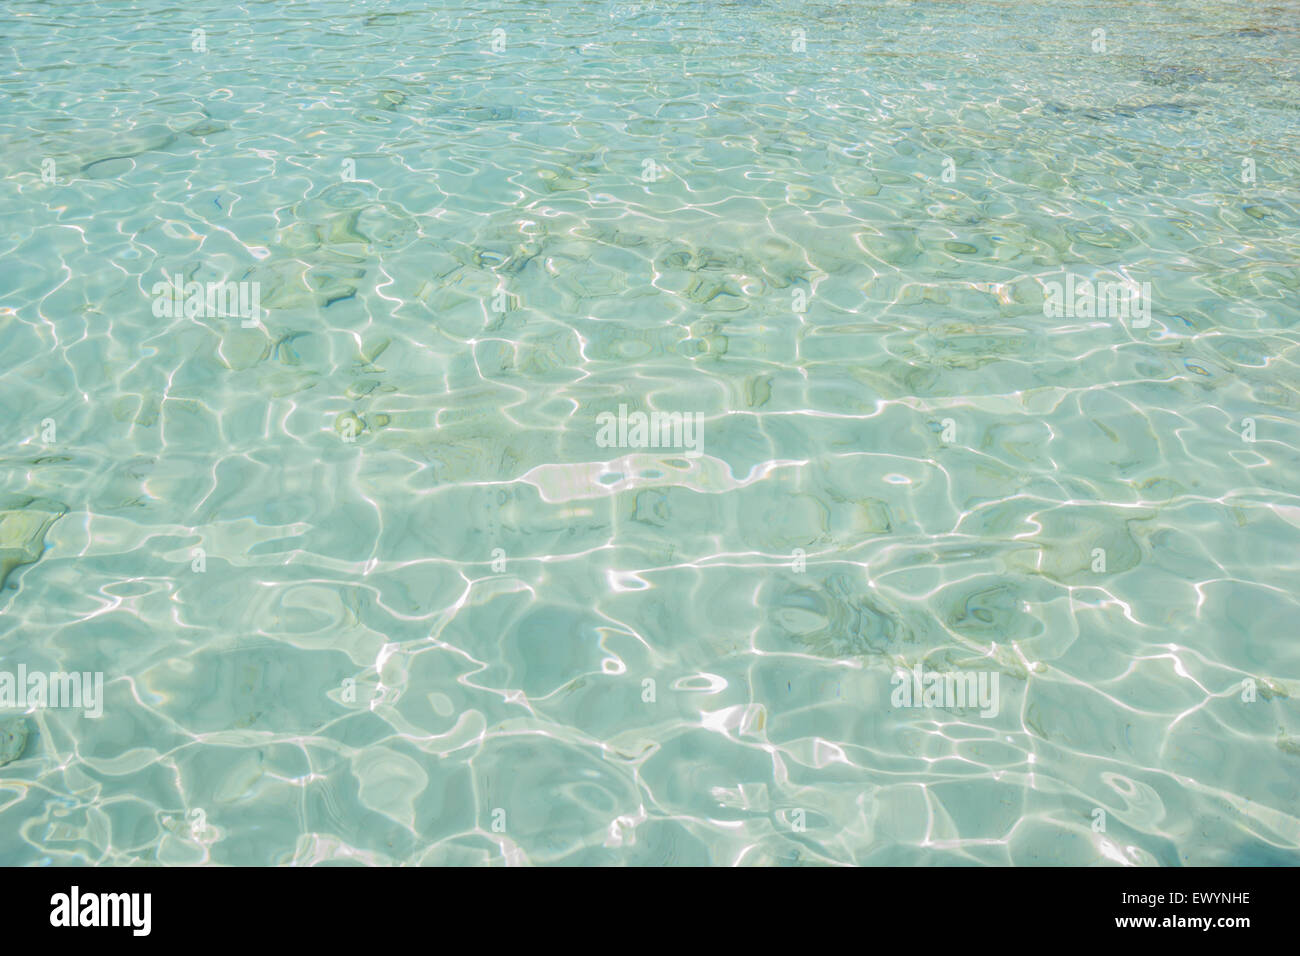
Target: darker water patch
(1171,75)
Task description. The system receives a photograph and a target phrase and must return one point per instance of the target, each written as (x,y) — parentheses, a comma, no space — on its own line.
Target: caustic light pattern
(676,432)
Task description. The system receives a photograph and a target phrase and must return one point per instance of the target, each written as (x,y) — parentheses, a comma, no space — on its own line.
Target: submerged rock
(23,523)
(13,739)
(834,619)
(349,425)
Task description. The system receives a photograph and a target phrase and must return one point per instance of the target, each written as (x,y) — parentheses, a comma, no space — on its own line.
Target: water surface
(365,588)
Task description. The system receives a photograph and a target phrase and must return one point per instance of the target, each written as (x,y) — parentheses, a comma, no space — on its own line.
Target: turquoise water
(368,573)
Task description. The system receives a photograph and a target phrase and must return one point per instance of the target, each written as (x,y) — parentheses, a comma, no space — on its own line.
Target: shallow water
(365,583)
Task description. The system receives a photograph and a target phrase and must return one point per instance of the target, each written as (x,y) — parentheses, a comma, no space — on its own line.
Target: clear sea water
(363,584)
